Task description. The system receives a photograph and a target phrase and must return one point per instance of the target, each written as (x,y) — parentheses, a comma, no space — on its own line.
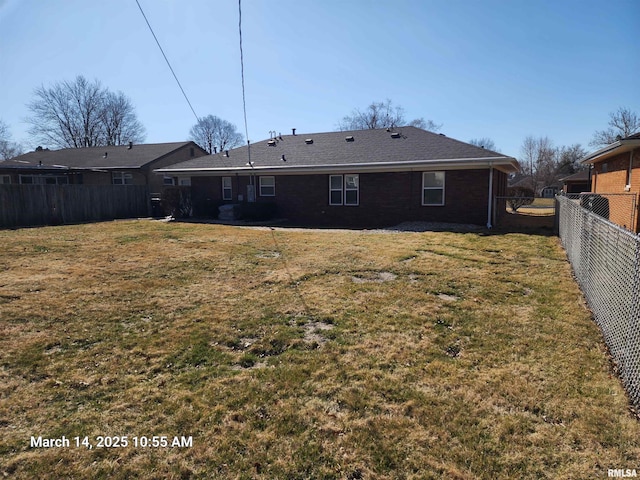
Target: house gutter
(508,165)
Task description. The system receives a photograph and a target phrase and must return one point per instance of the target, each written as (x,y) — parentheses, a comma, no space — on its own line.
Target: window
(344,190)
(43,179)
(433,188)
(168,180)
(184,182)
(227,192)
(351,190)
(5,179)
(122,178)
(335,189)
(267,186)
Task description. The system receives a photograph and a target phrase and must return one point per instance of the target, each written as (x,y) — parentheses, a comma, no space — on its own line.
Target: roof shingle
(108,157)
(344,148)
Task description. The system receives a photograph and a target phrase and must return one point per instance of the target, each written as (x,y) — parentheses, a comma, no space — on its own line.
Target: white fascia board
(505,164)
(621,146)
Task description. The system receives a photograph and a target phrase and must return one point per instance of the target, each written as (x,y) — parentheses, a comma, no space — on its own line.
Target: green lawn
(301,354)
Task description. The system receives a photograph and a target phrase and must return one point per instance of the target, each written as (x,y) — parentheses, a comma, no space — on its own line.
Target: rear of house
(130,164)
(358,178)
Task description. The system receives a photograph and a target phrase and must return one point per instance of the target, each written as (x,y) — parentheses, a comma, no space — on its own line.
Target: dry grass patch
(293,354)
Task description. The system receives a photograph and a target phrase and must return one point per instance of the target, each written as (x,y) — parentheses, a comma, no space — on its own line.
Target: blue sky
(497,69)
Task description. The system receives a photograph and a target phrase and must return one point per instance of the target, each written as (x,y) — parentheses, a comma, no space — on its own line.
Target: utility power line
(169,64)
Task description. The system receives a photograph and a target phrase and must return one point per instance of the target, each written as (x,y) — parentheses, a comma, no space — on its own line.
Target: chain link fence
(605,258)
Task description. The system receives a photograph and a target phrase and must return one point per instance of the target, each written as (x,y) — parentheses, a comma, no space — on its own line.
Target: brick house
(112,165)
(577,182)
(354,178)
(615,176)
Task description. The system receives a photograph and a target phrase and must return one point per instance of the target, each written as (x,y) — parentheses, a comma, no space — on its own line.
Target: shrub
(519,197)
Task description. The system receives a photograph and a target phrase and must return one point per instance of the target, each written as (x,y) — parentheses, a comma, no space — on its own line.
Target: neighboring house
(118,165)
(616,171)
(354,178)
(538,189)
(577,183)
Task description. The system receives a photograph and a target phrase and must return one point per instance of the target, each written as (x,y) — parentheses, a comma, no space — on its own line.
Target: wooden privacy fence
(31,205)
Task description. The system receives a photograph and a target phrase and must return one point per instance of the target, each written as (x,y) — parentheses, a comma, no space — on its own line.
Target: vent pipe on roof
(283,159)
(349,138)
(226,153)
(309,141)
(215,150)
(105,154)
(130,145)
(293,130)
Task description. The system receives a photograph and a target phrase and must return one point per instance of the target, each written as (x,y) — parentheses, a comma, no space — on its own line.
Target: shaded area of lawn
(293,354)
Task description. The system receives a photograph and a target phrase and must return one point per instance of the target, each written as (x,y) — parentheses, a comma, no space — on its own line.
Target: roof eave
(621,146)
(505,164)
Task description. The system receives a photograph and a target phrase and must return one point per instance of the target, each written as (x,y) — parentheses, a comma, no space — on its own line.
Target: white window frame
(262,187)
(227,188)
(168,181)
(344,188)
(356,189)
(5,179)
(120,178)
(424,188)
(341,189)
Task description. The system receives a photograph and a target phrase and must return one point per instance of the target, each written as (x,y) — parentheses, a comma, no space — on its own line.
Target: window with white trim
(227,191)
(335,189)
(5,179)
(344,190)
(433,188)
(43,179)
(167,180)
(267,186)
(122,178)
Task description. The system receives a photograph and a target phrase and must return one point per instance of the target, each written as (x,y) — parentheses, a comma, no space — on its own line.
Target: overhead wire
(168,63)
(244,100)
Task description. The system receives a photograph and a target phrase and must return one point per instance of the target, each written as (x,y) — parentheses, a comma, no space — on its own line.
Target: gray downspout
(490,201)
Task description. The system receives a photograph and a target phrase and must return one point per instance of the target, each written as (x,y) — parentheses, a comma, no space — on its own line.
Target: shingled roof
(110,157)
(402,148)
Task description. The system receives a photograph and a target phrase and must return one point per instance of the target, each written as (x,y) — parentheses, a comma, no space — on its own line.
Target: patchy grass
(293,354)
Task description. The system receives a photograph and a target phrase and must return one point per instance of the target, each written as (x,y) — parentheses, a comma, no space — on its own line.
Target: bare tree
(8,148)
(119,120)
(429,125)
(383,115)
(539,161)
(622,123)
(569,158)
(81,114)
(212,132)
(484,142)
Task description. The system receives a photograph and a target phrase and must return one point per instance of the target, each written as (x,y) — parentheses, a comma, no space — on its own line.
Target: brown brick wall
(154,180)
(385,198)
(615,178)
